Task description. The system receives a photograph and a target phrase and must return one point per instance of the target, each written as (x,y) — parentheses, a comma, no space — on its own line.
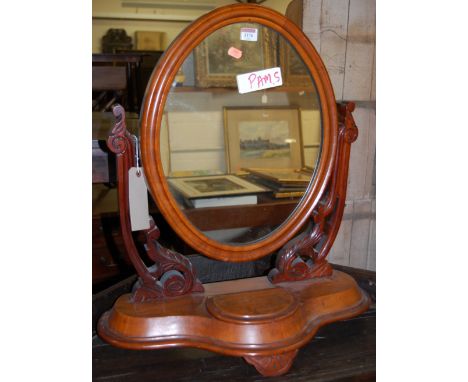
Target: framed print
(262,138)
(210,186)
(216,66)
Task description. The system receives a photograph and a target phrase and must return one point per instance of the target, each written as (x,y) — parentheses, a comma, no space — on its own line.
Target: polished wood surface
(247,318)
(253,306)
(272,366)
(157,92)
(341,351)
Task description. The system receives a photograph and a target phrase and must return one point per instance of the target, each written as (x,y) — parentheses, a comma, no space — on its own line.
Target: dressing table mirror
(245,152)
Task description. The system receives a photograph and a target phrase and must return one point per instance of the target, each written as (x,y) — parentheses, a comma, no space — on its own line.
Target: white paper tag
(262,79)
(138,200)
(248,34)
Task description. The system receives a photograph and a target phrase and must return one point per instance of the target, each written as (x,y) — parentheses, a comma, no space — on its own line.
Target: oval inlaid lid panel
(253,306)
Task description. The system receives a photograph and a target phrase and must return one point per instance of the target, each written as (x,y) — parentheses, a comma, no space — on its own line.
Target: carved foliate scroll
(304,257)
(172,274)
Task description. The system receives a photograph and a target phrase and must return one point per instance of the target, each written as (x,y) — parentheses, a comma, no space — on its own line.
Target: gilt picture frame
(214,67)
(267,137)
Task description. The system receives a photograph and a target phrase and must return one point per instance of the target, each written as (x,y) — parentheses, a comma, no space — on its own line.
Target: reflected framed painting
(295,71)
(210,186)
(262,138)
(215,66)
(283,177)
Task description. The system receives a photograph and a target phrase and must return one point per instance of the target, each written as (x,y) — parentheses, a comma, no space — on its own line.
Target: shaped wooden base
(264,323)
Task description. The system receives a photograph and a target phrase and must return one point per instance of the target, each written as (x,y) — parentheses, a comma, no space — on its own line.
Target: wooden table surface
(342,351)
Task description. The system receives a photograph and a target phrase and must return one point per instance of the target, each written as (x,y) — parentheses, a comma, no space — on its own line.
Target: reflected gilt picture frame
(267,137)
(214,67)
(286,176)
(295,73)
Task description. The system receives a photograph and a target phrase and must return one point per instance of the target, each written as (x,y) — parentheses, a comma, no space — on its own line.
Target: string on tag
(137,155)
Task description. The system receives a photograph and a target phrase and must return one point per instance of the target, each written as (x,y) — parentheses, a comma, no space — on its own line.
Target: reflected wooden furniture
(264,320)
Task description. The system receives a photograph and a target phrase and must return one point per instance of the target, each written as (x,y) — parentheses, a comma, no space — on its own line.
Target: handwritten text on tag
(248,34)
(262,79)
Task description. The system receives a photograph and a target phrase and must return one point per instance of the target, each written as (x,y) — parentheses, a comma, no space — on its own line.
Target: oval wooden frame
(159,87)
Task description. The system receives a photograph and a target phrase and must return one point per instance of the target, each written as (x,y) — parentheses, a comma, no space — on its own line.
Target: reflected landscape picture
(264,139)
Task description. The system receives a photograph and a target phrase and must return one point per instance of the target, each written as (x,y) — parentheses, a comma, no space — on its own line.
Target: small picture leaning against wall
(262,137)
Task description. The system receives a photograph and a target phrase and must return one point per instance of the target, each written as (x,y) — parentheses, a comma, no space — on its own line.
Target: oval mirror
(238,132)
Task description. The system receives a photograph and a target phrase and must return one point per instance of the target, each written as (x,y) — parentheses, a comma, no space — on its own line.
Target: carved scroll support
(304,257)
(172,274)
(274,365)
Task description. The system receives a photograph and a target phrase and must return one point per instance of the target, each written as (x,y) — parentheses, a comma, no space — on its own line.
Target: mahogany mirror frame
(263,319)
(157,92)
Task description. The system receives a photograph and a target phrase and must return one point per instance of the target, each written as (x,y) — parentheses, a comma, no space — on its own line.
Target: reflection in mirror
(238,162)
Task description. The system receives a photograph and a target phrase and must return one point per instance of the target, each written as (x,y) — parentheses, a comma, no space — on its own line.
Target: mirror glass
(241,133)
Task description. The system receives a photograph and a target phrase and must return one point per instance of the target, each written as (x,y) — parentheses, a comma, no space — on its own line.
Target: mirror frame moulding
(160,85)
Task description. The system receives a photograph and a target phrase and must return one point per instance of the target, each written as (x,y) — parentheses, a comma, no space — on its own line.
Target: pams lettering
(259,80)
